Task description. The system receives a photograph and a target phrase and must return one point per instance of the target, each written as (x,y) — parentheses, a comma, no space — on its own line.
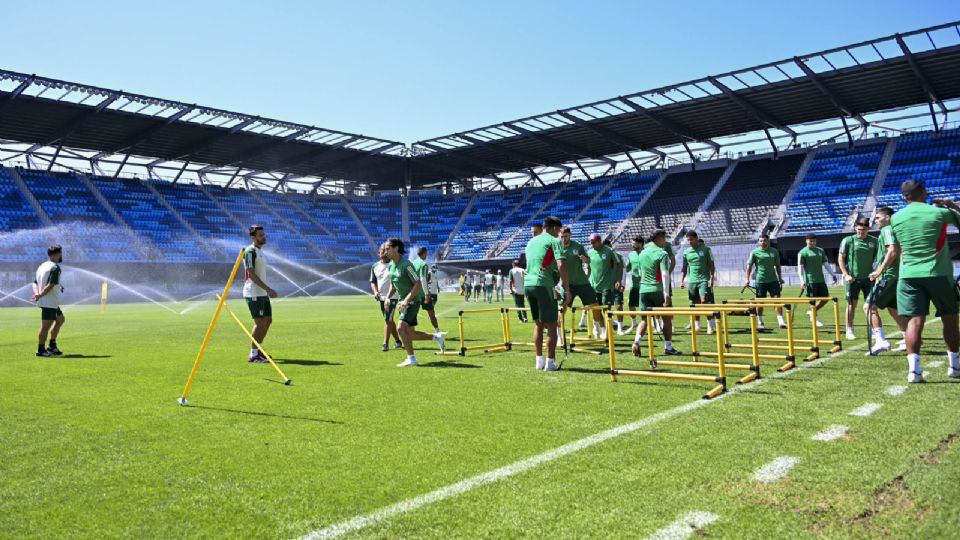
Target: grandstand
(177,183)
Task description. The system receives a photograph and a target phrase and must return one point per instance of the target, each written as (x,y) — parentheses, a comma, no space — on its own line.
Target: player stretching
(256,292)
(430,286)
(517,276)
(406,283)
(698,264)
(543,261)
(380,284)
(926,273)
(811,262)
(857,253)
(766,260)
(46,293)
(884,278)
(655,289)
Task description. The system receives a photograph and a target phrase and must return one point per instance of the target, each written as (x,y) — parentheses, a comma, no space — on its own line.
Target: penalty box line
(513,469)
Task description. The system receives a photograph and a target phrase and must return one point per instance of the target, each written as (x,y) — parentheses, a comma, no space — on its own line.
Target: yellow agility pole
(103,298)
(213,323)
(583,342)
(257,344)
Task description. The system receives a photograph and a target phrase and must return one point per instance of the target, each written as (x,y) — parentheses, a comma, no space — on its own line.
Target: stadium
(703,417)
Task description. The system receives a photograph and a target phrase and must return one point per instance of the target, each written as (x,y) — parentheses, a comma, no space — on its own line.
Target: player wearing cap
(46,294)
(926,273)
(811,263)
(857,253)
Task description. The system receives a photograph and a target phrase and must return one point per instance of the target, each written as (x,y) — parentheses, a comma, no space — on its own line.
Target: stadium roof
(846,83)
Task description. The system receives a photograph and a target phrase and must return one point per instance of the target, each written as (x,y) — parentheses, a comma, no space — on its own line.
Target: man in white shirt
(501,283)
(380,284)
(46,293)
(517,275)
(256,291)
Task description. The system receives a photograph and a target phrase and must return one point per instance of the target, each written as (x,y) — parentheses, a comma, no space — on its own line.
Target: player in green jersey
(766,259)
(633,266)
(575,256)
(926,273)
(428,282)
(857,253)
(884,278)
(699,265)
(655,289)
(46,293)
(603,275)
(543,262)
(811,263)
(618,286)
(407,284)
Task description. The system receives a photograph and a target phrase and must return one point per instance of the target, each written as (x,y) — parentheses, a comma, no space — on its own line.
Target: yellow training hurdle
(583,343)
(506,332)
(815,342)
(757,344)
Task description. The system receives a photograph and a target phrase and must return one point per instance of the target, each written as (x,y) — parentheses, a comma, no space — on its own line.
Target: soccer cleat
(879,347)
(850,335)
(253,358)
(44,354)
(914,377)
(672,352)
(621,332)
(438,337)
(261,359)
(54,351)
(783,326)
(385,348)
(761,326)
(551,366)
(409,362)
(636,348)
(540,363)
(953,373)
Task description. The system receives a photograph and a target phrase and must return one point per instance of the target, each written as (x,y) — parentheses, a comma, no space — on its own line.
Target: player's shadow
(302,362)
(265,414)
(85,356)
(448,364)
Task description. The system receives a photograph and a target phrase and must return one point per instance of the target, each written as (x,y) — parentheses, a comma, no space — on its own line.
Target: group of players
(491,285)
(903,271)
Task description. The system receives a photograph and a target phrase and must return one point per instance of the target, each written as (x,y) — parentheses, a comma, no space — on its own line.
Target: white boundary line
(776,469)
(897,390)
(382,514)
(685,526)
(832,433)
(866,409)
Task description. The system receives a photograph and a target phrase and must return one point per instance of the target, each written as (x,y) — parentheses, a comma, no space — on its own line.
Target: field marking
(685,526)
(776,469)
(936,364)
(866,409)
(832,433)
(897,390)
(362,521)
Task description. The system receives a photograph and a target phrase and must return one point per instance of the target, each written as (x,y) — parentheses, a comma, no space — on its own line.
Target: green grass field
(94,444)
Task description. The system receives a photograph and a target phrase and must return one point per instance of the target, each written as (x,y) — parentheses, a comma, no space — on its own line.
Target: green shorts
(884,294)
(387,307)
(607,297)
(259,307)
(915,294)
(50,313)
(699,293)
(859,285)
(816,290)
(634,299)
(585,293)
(429,306)
(409,315)
(771,289)
(543,307)
(650,300)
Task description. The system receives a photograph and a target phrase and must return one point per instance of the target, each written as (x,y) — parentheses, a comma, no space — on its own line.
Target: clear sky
(416,69)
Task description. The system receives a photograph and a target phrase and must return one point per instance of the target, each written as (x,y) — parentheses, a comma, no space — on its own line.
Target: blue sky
(417,69)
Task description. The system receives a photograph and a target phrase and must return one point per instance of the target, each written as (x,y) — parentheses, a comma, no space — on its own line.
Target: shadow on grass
(448,364)
(266,414)
(300,362)
(590,371)
(84,356)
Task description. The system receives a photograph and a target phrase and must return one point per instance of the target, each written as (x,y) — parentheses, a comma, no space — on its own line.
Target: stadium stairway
(212,254)
(866,209)
(374,245)
(777,219)
(695,220)
(444,251)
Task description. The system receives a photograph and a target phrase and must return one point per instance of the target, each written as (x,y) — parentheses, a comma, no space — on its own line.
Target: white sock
(780,319)
(539,359)
(667,344)
(620,326)
(849,329)
(254,350)
(711,323)
(412,357)
(760,320)
(954,358)
(914,361)
(551,361)
(583,318)
(633,321)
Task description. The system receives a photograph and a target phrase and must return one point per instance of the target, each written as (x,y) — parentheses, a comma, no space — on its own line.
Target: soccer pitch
(95,445)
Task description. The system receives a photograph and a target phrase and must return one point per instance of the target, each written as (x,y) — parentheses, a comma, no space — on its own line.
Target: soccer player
(766,260)
(46,294)
(926,273)
(655,289)
(699,265)
(617,285)
(575,256)
(517,276)
(633,266)
(883,295)
(428,283)
(536,229)
(468,286)
(462,279)
(477,287)
(543,261)
(857,253)
(603,273)
(811,262)
(488,285)
(407,284)
(256,291)
(501,282)
(380,284)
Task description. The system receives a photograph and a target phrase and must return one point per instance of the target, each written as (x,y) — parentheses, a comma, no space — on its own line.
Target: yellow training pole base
(788,366)
(715,392)
(748,378)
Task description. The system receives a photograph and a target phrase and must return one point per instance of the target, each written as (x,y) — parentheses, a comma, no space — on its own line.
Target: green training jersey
(766,264)
(571,258)
(812,260)
(698,263)
(887,238)
(668,247)
(633,263)
(403,276)
(542,251)
(654,264)
(921,231)
(859,254)
(603,268)
(425,273)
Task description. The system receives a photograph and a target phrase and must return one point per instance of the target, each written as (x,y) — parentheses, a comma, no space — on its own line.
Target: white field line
(832,433)
(362,521)
(776,469)
(934,365)
(866,409)
(684,527)
(897,390)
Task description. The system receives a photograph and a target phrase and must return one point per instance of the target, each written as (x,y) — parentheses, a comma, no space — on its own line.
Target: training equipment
(815,341)
(260,348)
